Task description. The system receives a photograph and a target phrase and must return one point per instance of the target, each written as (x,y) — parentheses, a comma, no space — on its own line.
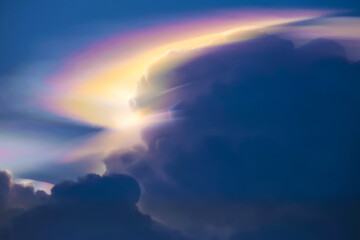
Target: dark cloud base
(94,207)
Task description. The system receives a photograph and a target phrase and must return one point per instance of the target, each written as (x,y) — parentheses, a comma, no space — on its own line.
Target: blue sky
(27,24)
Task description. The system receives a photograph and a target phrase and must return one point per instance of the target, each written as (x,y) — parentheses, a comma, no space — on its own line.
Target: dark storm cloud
(264,145)
(4,189)
(94,207)
(271,135)
(15,198)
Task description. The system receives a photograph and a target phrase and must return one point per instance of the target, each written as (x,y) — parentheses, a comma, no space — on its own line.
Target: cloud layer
(263,145)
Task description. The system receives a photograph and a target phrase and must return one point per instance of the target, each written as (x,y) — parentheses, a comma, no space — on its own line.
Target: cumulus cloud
(263,133)
(16,198)
(94,207)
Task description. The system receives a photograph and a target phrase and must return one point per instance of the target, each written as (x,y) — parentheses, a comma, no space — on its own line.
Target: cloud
(15,198)
(264,144)
(263,132)
(94,207)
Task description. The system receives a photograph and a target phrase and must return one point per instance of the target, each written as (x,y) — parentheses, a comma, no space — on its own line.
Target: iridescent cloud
(94,87)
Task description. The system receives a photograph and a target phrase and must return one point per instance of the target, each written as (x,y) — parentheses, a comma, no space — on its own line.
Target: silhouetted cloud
(15,198)
(94,207)
(263,132)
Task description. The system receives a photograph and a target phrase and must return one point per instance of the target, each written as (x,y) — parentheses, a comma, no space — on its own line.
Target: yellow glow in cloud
(102,98)
(99,93)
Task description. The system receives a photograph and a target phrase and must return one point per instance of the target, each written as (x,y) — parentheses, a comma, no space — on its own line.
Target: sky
(219,120)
